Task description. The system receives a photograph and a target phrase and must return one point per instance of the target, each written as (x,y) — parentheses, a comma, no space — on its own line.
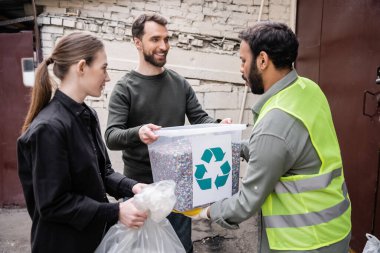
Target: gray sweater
(163,100)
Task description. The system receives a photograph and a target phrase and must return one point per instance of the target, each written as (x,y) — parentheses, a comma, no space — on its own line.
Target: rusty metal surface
(309,25)
(344,64)
(376,220)
(13,95)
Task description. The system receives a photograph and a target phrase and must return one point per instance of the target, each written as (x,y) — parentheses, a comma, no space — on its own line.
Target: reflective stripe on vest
(306,212)
(309,184)
(308,219)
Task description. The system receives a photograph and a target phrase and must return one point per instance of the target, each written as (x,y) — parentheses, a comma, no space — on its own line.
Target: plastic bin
(203,160)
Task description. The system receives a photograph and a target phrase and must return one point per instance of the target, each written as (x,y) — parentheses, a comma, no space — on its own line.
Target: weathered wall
(204,49)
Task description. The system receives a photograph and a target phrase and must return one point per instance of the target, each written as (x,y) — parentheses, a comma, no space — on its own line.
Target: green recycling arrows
(204,184)
(221,180)
(200,171)
(217,152)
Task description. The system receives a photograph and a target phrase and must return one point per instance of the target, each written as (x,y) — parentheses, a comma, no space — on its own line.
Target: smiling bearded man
(145,99)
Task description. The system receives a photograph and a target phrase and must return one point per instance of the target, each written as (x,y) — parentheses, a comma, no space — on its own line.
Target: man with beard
(147,98)
(295,174)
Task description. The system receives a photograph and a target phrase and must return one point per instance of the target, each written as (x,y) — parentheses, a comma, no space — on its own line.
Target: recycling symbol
(200,174)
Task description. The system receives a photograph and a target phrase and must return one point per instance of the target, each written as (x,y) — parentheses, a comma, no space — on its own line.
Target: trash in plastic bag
(372,245)
(152,237)
(156,235)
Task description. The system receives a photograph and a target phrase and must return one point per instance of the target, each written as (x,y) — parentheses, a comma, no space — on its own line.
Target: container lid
(199,129)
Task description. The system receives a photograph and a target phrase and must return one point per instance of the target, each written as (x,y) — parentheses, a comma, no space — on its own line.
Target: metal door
(340,50)
(13,96)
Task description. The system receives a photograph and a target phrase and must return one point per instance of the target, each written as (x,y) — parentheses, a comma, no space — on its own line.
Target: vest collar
(277,87)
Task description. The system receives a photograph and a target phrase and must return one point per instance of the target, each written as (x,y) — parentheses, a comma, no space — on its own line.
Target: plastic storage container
(203,160)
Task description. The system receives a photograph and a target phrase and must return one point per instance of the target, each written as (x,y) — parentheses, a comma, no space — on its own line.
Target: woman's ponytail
(41,93)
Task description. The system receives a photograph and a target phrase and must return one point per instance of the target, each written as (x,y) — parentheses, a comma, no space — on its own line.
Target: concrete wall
(204,48)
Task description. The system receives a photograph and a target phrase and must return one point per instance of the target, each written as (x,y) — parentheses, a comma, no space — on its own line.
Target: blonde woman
(63,163)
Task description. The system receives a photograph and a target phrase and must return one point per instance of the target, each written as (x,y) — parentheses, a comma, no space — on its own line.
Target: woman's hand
(130,216)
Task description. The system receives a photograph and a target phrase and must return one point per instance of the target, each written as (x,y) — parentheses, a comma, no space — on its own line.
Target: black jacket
(65,173)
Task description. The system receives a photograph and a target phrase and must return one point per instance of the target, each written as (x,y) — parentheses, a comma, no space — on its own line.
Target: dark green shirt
(163,100)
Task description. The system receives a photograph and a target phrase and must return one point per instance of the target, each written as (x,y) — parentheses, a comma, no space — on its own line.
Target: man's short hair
(276,39)
(139,23)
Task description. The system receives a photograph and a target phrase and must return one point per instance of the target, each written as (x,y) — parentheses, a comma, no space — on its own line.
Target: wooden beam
(16,20)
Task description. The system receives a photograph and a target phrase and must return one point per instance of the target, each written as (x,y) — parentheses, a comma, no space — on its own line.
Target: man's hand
(130,216)
(137,188)
(226,121)
(146,133)
(198,213)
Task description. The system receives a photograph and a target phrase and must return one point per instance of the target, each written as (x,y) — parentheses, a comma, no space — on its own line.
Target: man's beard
(154,62)
(255,80)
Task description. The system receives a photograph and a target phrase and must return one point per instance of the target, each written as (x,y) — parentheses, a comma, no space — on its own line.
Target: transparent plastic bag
(152,237)
(156,235)
(372,245)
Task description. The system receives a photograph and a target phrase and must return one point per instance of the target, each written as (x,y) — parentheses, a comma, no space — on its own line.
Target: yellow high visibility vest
(306,212)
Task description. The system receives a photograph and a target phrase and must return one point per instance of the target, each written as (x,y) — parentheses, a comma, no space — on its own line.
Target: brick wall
(202,25)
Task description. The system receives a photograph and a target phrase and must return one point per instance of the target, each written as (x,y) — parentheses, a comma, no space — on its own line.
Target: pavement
(14,230)
(15,227)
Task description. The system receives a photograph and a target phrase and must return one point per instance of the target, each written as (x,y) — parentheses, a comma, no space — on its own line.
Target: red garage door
(340,50)
(14,102)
